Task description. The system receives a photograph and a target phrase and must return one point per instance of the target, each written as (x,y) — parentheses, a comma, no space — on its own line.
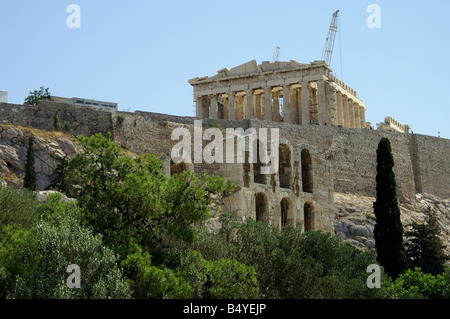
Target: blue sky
(141,54)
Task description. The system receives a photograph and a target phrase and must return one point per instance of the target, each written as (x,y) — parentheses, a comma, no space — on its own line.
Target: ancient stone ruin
(289,92)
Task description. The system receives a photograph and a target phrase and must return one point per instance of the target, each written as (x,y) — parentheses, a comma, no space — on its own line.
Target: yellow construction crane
(329,43)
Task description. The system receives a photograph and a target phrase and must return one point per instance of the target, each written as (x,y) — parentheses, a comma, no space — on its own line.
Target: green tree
(17,256)
(414,284)
(60,241)
(139,212)
(219,279)
(35,96)
(149,281)
(126,197)
(29,181)
(59,183)
(424,247)
(18,218)
(388,232)
(56,122)
(291,264)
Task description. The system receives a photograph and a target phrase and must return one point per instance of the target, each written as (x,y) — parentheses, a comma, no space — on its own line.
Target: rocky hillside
(49,148)
(355,219)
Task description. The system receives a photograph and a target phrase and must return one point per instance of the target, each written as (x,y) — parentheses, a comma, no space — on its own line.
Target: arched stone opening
(257,176)
(307,171)
(308,216)
(284,166)
(262,207)
(287,215)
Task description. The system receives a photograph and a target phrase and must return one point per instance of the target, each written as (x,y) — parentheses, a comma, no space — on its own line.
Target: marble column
(249,105)
(332,113)
(362,112)
(286,104)
(357,115)
(340,109)
(261,99)
(237,106)
(293,105)
(268,103)
(231,106)
(305,104)
(346,111)
(276,106)
(225,107)
(351,110)
(298,95)
(322,108)
(213,103)
(199,107)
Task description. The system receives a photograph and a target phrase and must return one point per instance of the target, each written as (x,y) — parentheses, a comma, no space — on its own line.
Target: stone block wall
(74,119)
(421,162)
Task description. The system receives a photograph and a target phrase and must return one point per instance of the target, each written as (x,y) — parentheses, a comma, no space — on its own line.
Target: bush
(63,245)
(149,281)
(17,207)
(37,259)
(220,279)
(291,264)
(120,119)
(414,284)
(17,256)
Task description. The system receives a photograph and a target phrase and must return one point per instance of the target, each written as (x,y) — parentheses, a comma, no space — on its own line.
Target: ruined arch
(286,212)
(284,166)
(257,176)
(261,207)
(308,216)
(307,171)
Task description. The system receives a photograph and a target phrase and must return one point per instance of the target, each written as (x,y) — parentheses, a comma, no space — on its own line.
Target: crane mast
(329,43)
(276,52)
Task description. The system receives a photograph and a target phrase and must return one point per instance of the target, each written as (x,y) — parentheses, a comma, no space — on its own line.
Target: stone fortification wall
(431,165)
(74,119)
(421,162)
(352,153)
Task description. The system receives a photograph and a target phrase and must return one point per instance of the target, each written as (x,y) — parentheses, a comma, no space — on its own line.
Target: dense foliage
(424,248)
(135,233)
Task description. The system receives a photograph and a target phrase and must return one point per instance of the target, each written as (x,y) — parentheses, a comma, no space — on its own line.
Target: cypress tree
(424,248)
(29,181)
(388,230)
(59,181)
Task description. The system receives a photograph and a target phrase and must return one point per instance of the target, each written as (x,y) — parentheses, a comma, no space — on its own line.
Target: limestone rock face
(49,148)
(355,220)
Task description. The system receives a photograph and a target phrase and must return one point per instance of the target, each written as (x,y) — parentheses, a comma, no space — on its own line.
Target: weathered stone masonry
(282,91)
(341,159)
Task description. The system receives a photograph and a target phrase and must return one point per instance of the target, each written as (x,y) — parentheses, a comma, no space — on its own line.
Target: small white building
(86,102)
(3,96)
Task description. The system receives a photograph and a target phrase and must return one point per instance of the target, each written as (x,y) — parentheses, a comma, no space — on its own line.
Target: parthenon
(290,92)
